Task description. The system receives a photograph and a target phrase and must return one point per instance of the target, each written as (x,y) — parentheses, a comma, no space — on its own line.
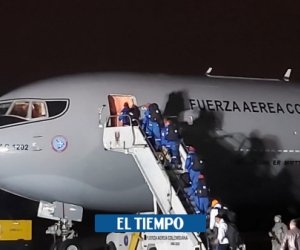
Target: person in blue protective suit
(171,140)
(124,118)
(164,141)
(146,118)
(152,129)
(201,196)
(190,158)
(192,173)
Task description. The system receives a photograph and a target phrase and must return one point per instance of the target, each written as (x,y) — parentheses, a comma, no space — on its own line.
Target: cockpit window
(24,111)
(56,107)
(4,107)
(38,110)
(20,109)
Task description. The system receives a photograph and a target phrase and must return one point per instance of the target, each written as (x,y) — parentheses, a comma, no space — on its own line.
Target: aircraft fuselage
(248,132)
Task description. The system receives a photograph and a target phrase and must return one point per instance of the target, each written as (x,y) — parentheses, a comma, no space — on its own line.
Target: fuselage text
(14,146)
(251,107)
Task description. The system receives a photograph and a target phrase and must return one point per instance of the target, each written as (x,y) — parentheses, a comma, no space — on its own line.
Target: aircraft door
(116,104)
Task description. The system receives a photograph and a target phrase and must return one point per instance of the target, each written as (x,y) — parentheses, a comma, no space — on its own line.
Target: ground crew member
(291,240)
(212,231)
(278,232)
(171,142)
(222,240)
(216,206)
(124,115)
(201,196)
(152,129)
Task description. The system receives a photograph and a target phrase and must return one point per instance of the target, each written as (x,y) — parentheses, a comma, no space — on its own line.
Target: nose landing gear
(64,214)
(70,244)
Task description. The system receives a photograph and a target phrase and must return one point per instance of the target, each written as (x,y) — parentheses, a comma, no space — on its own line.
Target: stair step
(190,209)
(181,196)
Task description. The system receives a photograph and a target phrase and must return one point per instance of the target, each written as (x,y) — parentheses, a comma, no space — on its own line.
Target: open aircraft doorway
(116,104)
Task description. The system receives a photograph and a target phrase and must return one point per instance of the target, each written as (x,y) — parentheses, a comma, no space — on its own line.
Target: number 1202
(21,146)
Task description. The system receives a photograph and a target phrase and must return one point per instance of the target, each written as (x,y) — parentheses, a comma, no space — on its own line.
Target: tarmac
(96,241)
(13,207)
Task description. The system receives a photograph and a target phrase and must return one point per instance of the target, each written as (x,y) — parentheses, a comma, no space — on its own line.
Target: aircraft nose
(21,159)
(15,150)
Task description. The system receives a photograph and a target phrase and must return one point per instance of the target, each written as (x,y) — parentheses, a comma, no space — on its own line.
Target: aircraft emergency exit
(51,136)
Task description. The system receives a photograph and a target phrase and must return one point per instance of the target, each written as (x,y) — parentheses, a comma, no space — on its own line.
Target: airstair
(165,185)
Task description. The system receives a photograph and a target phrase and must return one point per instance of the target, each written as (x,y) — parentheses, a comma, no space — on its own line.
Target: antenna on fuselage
(287,75)
(285,78)
(208,71)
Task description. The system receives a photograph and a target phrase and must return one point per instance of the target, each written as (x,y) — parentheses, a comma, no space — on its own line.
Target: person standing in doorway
(124,118)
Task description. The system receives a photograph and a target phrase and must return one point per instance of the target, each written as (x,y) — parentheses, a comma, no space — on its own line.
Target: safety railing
(108,124)
(180,187)
(164,155)
(115,118)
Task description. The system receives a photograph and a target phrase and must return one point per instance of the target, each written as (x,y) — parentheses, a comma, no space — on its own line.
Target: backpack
(134,113)
(197,166)
(229,216)
(173,133)
(155,114)
(233,236)
(202,189)
(185,180)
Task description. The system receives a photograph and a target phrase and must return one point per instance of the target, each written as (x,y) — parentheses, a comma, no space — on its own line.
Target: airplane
(51,144)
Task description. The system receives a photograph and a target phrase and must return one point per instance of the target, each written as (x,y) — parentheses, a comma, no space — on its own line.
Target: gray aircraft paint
(84,173)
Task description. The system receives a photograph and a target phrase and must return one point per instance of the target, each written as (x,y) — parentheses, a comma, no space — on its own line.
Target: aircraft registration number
(15,146)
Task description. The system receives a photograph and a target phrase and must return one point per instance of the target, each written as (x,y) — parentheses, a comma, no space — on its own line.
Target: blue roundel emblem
(59,143)
(126,240)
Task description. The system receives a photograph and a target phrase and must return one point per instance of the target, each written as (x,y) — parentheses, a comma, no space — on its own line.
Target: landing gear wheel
(55,245)
(72,244)
(110,246)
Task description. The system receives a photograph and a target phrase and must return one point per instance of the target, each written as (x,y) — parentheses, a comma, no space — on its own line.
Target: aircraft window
(4,107)
(38,110)
(20,109)
(56,107)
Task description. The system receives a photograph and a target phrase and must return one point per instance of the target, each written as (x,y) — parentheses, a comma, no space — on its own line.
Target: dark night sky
(41,39)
